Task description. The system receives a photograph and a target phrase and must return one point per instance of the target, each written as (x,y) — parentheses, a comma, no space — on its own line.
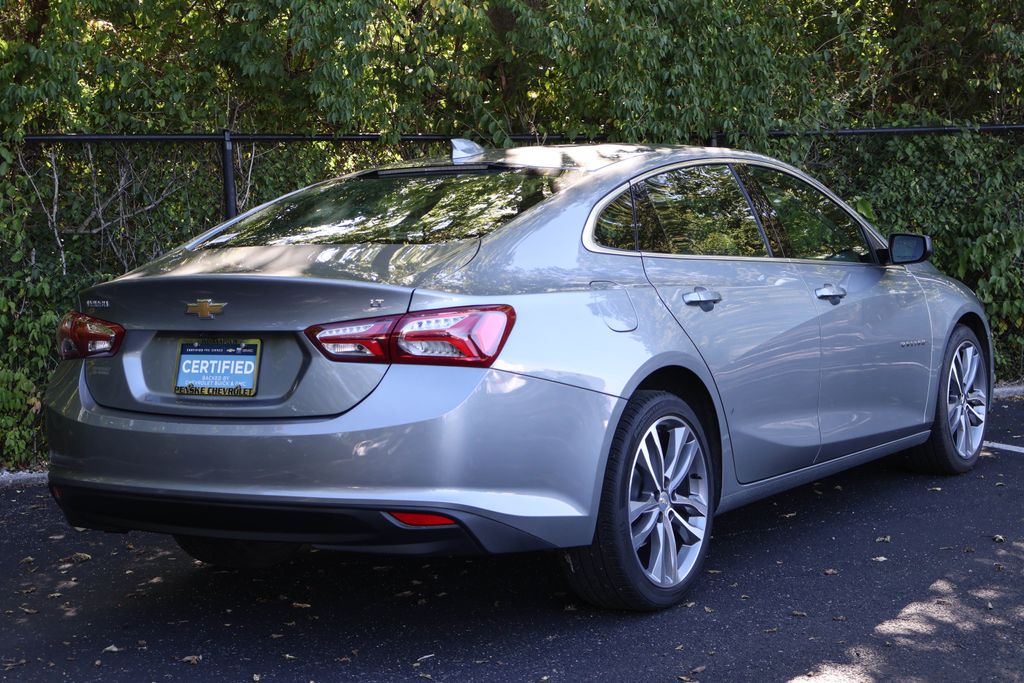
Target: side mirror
(908,248)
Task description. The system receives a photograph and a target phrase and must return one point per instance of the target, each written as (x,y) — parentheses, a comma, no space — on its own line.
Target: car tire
(237,554)
(652,536)
(958,431)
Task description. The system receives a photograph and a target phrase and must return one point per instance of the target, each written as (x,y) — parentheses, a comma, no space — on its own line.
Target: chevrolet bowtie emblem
(205,308)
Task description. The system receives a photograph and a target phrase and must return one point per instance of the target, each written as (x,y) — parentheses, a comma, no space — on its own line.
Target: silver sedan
(586,349)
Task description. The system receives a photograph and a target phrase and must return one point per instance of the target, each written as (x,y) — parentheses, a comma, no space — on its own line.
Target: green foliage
(662,71)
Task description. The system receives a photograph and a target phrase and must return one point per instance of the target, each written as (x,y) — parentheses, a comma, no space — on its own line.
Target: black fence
(226,139)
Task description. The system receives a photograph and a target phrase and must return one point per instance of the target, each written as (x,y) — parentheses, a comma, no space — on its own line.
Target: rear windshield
(417,206)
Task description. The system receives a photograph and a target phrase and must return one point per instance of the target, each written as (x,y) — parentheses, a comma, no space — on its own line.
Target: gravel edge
(19,479)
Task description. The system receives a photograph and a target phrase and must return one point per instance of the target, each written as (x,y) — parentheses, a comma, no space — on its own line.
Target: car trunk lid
(235,300)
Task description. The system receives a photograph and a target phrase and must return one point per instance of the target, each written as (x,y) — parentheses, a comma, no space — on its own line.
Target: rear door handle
(830,291)
(701,295)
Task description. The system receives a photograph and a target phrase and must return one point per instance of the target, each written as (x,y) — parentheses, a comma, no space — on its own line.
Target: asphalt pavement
(875,574)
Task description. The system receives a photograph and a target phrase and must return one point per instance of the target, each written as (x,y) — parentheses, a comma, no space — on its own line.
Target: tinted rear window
(393,208)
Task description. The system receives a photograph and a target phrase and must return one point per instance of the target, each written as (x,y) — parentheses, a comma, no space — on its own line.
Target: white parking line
(1003,447)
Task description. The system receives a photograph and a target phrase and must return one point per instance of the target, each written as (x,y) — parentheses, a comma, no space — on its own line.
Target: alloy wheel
(966,400)
(668,501)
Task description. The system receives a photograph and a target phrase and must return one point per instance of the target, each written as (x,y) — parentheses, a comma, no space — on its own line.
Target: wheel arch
(977,325)
(687,385)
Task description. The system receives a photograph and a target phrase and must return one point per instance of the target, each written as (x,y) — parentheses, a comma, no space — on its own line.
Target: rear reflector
(470,335)
(81,336)
(422,519)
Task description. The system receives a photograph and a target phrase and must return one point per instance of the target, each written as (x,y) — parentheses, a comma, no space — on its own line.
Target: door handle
(830,291)
(701,295)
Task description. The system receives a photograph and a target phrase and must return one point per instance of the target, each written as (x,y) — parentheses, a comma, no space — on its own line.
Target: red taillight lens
(81,336)
(471,336)
(422,519)
(354,340)
(454,336)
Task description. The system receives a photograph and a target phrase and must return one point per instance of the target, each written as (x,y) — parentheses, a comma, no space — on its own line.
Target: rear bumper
(516,460)
(321,524)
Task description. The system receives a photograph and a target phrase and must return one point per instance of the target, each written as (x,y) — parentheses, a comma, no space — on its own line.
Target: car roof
(586,158)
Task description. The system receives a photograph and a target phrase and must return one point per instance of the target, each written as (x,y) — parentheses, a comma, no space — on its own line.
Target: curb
(1008,391)
(20,479)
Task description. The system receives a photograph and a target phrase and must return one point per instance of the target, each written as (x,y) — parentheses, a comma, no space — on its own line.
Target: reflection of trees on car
(698,210)
(393,209)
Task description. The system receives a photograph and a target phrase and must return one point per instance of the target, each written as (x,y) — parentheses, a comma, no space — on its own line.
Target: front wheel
(962,406)
(655,516)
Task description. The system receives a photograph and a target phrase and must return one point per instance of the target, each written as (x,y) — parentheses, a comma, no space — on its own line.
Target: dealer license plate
(218,367)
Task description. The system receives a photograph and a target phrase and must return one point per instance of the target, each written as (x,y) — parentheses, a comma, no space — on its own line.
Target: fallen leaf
(708,609)
(831,572)
(26,560)
(999,483)
(744,597)
(192,659)
(689,604)
(880,558)
(988,605)
(698,669)
(935,488)
(999,538)
(28,610)
(81,557)
(112,648)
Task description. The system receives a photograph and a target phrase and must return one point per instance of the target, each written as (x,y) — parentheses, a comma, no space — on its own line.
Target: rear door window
(410,206)
(801,221)
(697,210)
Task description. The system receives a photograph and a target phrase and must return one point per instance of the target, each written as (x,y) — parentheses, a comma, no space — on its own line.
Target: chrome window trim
(588,228)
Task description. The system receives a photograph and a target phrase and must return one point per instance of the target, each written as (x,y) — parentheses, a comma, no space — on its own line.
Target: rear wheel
(225,552)
(655,516)
(959,428)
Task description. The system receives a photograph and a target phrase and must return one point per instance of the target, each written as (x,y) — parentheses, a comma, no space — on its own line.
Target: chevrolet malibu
(587,349)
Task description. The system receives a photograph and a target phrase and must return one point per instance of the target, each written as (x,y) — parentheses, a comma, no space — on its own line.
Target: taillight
(470,336)
(454,336)
(354,340)
(81,336)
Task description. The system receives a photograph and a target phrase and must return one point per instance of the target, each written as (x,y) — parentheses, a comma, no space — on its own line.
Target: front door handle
(830,291)
(701,295)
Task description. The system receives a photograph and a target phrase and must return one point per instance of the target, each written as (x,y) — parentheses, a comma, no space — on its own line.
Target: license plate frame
(217,379)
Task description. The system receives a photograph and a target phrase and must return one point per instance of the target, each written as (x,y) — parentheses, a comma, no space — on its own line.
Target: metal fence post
(228,168)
